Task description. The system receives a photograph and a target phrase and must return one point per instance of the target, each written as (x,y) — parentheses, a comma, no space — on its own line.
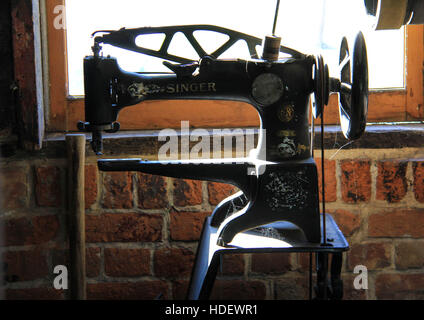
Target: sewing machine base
(286,191)
(276,237)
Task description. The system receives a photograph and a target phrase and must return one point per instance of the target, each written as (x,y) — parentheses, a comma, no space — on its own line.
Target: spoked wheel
(352,87)
(353,91)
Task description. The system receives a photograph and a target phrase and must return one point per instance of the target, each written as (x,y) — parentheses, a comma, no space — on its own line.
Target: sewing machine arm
(127,39)
(109,89)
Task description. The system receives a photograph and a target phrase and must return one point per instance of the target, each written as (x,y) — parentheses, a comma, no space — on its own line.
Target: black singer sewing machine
(278,182)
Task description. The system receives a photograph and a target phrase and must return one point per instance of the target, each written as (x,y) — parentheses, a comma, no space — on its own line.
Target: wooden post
(75,145)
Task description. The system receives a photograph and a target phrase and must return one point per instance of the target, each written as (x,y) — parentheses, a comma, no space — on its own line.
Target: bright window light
(309,26)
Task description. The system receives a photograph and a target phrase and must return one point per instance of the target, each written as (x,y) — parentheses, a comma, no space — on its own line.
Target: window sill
(376,136)
(146,143)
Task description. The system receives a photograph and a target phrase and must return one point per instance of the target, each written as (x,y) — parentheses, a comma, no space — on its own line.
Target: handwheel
(353,91)
(322,87)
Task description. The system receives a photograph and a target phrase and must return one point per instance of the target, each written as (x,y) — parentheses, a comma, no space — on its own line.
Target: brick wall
(142,231)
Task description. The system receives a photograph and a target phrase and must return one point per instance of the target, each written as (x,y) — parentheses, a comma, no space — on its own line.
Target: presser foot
(97,133)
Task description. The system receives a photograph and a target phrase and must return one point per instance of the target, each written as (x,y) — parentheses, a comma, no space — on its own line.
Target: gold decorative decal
(286,133)
(286,113)
(191,87)
(302,148)
(140,90)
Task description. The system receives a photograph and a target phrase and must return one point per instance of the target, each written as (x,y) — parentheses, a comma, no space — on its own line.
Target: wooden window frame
(393,105)
(28,88)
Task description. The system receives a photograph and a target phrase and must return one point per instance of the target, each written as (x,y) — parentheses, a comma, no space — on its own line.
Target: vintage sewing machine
(278,182)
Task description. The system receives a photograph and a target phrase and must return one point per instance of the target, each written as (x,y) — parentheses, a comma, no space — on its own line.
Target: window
(319,29)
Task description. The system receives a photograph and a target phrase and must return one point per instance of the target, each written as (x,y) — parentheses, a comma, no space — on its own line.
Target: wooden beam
(75,145)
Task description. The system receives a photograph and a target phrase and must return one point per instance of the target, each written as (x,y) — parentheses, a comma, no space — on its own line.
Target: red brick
(59,257)
(25,265)
(14,186)
(92,262)
(127,262)
(233,264)
(348,222)
(45,229)
(371,255)
(330,179)
(90,187)
(219,191)
(418,172)
(118,190)
(152,193)
(34,294)
(356,181)
(292,288)
(130,227)
(303,261)
(409,255)
(173,262)
(26,231)
(399,286)
(187,226)
(391,181)
(397,223)
(17,232)
(238,290)
(271,263)
(302,283)
(349,291)
(48,191)
(180,289)
(187,192)
(143,290)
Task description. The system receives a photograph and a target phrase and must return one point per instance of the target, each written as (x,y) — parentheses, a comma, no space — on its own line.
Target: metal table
(275,237)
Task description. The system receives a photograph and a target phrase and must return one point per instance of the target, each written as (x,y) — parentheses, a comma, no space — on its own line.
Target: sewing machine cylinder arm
(266,86)
(281,166)
(101,90)
(110,89)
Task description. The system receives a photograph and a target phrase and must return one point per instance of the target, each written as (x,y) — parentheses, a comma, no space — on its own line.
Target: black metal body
(271,88)
(279,181)
(274,89)
(276,237)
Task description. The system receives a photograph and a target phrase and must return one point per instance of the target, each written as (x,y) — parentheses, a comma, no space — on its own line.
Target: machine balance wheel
(353,93)
(322,88)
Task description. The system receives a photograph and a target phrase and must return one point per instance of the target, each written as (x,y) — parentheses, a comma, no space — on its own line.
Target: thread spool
(271,46)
